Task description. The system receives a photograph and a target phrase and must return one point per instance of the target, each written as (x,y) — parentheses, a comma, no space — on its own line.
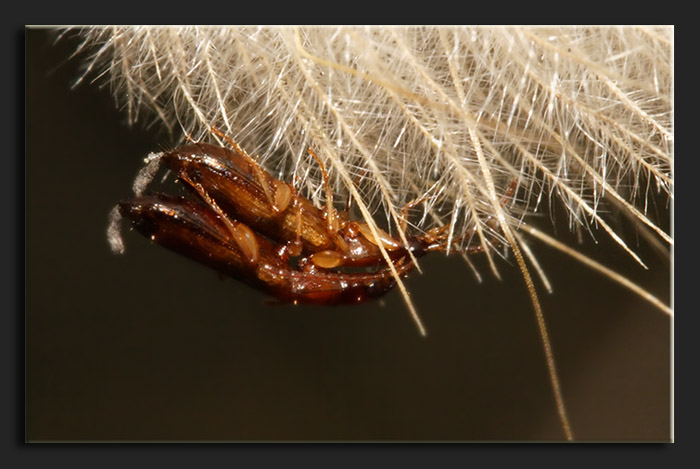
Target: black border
(268,454)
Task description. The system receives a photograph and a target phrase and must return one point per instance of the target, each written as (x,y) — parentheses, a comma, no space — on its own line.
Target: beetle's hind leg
(241,234)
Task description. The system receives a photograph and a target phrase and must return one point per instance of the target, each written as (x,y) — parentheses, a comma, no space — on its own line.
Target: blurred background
(151,346)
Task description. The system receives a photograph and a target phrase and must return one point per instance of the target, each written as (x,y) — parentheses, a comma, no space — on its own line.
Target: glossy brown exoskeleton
(193,230)
(246,224)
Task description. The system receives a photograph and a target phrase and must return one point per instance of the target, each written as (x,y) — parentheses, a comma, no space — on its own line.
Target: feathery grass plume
(449,115)
(453,116)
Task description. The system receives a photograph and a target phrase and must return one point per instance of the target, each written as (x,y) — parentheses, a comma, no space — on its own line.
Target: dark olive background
(151,346)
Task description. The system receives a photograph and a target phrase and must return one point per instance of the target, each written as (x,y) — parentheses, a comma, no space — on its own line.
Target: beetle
(248,225)
(250,195)
(194,230)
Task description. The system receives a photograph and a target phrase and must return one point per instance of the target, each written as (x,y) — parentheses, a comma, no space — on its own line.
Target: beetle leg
(491,222)
(436,240)
(389,243)
(403,217)
(241,234)
(333,225)
(327,259)
(279,200)
(295,246)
